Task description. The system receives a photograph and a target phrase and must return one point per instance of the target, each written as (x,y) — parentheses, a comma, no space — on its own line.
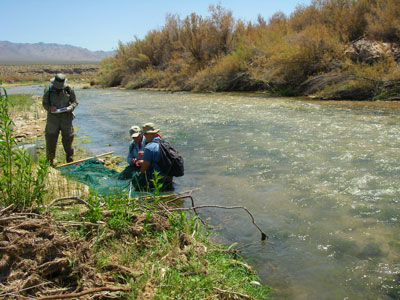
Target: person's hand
(133,161)
(138,163)
(140,153)
(53,108)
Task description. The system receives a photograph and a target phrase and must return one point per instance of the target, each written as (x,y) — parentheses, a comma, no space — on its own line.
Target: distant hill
(11,53)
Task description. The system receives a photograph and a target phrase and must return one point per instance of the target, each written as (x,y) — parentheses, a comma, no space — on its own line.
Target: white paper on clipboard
(61,110)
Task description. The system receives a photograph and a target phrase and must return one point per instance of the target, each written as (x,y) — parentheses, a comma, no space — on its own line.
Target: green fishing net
(99,178)
(104,181)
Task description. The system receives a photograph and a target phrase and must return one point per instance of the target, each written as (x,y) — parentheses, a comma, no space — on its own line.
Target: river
(322,179)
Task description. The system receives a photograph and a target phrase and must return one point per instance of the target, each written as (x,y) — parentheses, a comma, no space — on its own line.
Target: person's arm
(46,100)
(72,100)
(145,166)
(130,154)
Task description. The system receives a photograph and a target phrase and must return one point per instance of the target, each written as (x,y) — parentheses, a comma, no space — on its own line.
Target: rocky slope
(47,53)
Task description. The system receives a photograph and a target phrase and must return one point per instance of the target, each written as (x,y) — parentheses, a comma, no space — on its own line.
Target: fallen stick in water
(84,159)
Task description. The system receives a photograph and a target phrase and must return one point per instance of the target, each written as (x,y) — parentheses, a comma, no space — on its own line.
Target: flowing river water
(322,179)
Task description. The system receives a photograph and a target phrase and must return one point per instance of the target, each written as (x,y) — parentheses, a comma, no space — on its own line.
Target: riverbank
(27,73)
(304,54)
(96,248)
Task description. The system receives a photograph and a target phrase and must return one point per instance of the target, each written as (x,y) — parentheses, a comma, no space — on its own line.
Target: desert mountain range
(48,53)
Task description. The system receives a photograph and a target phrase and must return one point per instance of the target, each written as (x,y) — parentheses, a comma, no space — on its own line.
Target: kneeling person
(151,159)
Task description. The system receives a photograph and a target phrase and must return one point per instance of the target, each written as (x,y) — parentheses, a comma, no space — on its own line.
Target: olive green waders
(59,95)
(56,123)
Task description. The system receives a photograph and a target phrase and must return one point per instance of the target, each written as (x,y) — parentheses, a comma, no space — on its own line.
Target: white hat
(135,131)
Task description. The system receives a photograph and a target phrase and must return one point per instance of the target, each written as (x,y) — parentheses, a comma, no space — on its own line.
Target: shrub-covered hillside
(336,49)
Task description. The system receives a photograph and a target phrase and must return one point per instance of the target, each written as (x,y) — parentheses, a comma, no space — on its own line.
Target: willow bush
(215,52)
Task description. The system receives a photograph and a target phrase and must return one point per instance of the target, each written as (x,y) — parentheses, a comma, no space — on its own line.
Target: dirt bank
(28,73)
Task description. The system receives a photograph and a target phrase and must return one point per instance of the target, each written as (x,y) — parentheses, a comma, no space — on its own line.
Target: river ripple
(321,178)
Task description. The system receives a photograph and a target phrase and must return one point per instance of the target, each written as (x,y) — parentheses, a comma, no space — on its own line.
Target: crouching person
(135,154)
(151,159)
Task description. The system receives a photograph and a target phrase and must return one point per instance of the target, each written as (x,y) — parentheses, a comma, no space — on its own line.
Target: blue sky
(101,24)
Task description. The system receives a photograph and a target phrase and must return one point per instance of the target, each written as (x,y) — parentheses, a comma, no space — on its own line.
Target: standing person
(135,154)
(59,100)
(151,158)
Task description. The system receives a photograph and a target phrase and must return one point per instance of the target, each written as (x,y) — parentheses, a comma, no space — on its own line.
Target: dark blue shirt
(152,155)
(134,148)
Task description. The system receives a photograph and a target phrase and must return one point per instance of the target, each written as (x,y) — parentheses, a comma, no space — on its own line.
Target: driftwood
(89,291)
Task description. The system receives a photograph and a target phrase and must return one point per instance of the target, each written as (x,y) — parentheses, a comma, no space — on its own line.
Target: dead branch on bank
(6,208)
(121,270)
(232,293)
(39,259)
(89,291)
(76,199)
(263,235)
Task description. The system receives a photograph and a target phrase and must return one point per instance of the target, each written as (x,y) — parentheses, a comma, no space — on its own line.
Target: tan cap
(150,128)
(135,131)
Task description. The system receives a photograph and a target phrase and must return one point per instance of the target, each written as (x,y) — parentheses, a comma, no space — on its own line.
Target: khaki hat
(135,131)
(150,128)
(59,81)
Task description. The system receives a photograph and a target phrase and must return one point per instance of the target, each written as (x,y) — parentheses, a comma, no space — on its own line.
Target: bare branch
(6,208)
(232,293)
(78,200)
(89,291)
(71,223)
(11,219)
(263,235)
(121,270)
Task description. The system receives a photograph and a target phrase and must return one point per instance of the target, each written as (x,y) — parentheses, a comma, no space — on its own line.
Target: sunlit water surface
(321,179)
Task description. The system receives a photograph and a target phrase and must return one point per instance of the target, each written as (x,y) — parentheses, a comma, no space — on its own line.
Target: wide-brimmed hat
(150,128)
(59,81)
(135,131)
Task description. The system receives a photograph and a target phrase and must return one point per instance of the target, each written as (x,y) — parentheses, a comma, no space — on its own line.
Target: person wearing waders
(59,101)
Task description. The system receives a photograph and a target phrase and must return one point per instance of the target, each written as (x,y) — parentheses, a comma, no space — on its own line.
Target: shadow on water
(321,178)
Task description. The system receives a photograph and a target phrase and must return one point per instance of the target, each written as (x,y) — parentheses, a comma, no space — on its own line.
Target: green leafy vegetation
(280,55)
(21,181)
(169,251)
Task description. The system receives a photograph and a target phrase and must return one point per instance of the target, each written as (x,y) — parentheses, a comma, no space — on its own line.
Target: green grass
(172,252)
(21,101)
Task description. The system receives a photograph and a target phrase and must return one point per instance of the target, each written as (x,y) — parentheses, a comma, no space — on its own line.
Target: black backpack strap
(50,90)
(68,89)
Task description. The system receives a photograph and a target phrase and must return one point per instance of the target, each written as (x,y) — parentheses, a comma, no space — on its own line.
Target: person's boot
(51,162)
(69,159)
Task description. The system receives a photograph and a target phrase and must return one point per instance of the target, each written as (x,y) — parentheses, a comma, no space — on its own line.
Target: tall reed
(21,180)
